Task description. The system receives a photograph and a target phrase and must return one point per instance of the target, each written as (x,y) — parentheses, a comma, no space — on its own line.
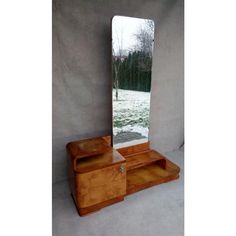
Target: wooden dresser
(100,175)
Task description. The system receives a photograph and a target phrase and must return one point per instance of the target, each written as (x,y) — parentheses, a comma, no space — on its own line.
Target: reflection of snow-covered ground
(131,112)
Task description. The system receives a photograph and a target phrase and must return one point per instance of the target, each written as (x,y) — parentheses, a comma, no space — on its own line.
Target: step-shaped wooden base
(146,168)
(150,175)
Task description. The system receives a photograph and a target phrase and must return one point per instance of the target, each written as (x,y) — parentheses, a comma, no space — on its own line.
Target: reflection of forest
(134,71)
(132,65)
(131,79)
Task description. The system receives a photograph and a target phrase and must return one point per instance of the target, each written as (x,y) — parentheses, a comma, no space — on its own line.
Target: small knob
(122,169)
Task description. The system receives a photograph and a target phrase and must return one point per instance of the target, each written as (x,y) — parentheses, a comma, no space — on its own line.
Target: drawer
(100,185)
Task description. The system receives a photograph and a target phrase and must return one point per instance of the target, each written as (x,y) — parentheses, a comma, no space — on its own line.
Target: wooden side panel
(71,177)
(101,185)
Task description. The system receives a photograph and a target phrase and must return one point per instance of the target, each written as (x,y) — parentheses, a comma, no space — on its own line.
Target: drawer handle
(122,169)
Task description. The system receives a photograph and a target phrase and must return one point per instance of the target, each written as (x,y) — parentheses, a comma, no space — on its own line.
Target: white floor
(157,211)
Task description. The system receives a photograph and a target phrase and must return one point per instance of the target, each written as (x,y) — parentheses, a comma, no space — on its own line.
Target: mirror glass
(132,47)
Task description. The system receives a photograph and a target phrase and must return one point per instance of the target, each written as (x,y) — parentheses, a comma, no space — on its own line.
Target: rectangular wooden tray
(142,159)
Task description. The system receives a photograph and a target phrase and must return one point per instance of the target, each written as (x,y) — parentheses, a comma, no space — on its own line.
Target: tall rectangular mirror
(132,48)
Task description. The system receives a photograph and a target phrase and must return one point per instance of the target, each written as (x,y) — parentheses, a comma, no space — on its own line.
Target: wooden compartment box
(97,180)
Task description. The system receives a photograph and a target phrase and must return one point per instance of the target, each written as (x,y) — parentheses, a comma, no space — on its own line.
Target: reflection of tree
(116,66)
(132,70)
(117,59)
(135,72)
(145,37)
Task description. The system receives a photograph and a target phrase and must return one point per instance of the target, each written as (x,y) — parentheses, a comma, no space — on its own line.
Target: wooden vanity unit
(100,175)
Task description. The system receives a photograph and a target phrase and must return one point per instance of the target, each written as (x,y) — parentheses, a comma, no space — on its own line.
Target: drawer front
(101,185)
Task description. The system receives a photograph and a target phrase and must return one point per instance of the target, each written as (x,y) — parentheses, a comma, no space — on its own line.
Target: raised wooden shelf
(87,147)
(145,158)
(146,167)
(131,150)
(149,175)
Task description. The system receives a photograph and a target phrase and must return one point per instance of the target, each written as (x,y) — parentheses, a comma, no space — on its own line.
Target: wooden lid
(87,147)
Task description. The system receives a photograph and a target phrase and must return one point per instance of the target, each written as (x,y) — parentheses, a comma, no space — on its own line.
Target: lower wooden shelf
(149,175)
(138,160)
(146,168)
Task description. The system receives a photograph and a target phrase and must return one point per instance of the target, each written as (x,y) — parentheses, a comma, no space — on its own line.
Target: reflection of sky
(123,30)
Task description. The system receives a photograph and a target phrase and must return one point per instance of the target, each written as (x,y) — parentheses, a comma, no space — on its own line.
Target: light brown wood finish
(144,158)
(89,210)
(100,185)
(146,168)
(126,151)
(97,180)
(111,157)
(100,180)
(87,147)
(107,139)
(149,175)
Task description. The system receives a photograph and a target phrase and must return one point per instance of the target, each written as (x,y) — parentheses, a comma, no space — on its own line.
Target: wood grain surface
(100,185)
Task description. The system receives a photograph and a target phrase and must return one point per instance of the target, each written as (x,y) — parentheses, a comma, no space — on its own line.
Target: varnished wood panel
(71,177)
(107,139)
(109,158)
(88,210)
(100,185)
(153,174)
(96,179)
(87,147)
(145,158)
(126,151)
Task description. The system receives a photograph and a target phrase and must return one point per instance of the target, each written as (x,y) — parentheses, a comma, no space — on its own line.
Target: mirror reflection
(132,47)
